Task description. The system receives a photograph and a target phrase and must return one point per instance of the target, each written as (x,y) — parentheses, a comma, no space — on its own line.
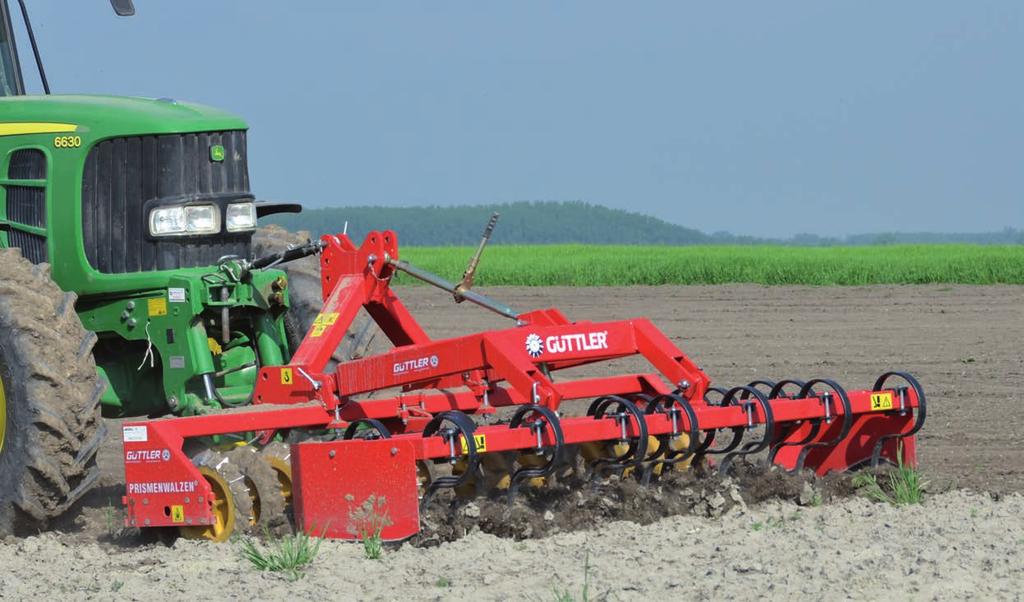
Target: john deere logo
(217,153)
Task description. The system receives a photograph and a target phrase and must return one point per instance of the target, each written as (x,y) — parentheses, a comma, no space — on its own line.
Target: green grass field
(589,265)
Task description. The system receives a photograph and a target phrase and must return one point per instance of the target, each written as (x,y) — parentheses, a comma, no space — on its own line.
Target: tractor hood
(107,116)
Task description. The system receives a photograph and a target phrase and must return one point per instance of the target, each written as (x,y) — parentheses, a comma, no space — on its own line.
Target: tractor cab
(10,71)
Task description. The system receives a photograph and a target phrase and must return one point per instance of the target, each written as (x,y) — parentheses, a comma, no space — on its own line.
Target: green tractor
(127,285)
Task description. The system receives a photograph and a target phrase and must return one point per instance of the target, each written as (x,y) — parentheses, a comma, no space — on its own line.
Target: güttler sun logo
(534,345)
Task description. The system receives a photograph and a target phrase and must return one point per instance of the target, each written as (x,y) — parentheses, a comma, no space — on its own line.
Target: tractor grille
(26,205)
(123,174)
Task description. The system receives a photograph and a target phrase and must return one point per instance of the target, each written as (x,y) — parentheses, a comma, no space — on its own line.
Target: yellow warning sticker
(881,402)
(286,376)
(157,307)
(479,440)
(321,323)
(177,514)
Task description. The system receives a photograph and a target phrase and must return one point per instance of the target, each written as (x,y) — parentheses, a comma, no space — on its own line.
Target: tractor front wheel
(50,424)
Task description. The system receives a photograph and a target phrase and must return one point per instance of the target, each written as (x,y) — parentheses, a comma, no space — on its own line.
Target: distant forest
(550,222)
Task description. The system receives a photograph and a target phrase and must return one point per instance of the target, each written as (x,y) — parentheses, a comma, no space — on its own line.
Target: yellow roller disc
(283,470)
(278,456)
(222,506)
(532,461)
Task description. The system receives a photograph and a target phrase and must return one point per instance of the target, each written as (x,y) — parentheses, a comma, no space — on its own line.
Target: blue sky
(752,117)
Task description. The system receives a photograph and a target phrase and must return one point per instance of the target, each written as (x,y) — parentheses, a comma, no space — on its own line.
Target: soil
(957,545)
(755,534)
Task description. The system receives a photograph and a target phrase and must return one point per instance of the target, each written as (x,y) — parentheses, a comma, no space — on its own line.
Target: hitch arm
(310,248)
(434,280)
(467,277)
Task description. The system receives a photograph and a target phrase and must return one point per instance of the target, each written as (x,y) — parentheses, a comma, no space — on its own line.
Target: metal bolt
(147,522)
(130,305)
(132,322)
(394,451)
(145,501)
(684,384)
(331,454)
(188,500)
(200,500)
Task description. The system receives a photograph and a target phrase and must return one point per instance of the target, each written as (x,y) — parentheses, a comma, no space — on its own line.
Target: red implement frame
(436,384)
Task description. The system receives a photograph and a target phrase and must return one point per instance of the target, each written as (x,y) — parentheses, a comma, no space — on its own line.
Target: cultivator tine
(623,411)
(745,393)
(902,393)
(812,426)
(544,418)
(460,433)
(826,399)
(737,431)
(778,390)
(675,406)
(366,428)
(766,386)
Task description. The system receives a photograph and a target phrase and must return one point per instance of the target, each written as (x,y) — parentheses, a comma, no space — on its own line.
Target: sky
(759,118)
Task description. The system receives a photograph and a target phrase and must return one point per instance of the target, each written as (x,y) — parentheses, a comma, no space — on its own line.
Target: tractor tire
(50,423)
(305,292)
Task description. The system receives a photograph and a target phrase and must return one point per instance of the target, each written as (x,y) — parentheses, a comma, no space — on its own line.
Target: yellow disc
(283,470)
(3,414)
(528,460)
(223,507)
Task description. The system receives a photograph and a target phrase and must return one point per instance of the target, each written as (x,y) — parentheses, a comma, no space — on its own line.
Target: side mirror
(123,8)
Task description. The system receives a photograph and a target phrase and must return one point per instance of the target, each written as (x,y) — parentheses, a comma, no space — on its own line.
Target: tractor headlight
(191,220)
(241,217)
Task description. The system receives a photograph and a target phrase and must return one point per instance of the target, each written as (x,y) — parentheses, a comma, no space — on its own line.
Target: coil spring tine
(737,432)
(694,444)
(808,389)
(812,433)
(372,424)
(464,426)
(769,425)
(767,384)
(550,419)
(645,471)
(637,447)
(919,419)
(779,390)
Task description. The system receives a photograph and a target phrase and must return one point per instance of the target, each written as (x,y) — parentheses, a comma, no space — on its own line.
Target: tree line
(552,222)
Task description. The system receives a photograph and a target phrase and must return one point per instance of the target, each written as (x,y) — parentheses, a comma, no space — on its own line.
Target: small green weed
(113,530)
(443,582)
(565,594)
(368,522)
(288,555)
(903,485)
(771,523)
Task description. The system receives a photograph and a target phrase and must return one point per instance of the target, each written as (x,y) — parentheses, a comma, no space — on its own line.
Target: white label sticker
(135,434)
(176,295)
